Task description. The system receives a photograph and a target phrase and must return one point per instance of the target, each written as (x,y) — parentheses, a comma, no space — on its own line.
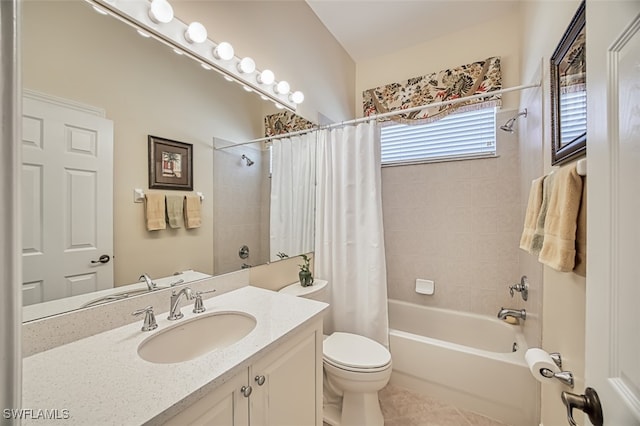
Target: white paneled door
(613,147)
(67,199)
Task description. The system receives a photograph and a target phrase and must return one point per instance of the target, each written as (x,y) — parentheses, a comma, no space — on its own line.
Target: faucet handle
(198,306)
(149,318)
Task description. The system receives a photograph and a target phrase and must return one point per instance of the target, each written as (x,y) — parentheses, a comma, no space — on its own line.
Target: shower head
(248,160)
(508,126)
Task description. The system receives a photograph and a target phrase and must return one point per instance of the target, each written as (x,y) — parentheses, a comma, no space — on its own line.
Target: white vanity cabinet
(281,388)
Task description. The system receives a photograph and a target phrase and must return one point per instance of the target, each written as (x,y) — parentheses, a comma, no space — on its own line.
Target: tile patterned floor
(402,407)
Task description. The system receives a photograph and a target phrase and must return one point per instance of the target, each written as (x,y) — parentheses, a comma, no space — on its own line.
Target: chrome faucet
(150,284)
(174,311)
(505,312)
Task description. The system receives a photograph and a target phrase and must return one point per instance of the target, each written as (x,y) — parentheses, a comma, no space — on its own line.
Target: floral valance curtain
(465,80)
(285,122)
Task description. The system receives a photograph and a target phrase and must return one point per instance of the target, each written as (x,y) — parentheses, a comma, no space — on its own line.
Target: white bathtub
(464,359)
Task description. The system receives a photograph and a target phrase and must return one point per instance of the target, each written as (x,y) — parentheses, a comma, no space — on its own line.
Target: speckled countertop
(101,380)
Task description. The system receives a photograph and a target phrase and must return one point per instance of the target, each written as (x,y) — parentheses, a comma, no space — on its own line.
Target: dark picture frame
(170,164)
(568,92)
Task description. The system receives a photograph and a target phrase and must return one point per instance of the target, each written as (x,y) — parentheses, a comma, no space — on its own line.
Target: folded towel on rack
(581,234)
(174,210)
(559,246)
(538,235)
(154,211)
(531,215)
(192,215)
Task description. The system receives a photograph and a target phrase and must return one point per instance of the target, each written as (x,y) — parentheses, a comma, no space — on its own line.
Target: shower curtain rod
(386,114)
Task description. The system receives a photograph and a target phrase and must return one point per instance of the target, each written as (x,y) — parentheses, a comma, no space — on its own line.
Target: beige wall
(457,223)
(241,206)
(288,38)
(500,37)
(563,294)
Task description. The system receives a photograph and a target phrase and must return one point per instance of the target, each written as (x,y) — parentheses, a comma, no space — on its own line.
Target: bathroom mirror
(569,92)
(114,69)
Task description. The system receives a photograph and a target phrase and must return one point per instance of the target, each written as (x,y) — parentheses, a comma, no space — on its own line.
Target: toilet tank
(318,291)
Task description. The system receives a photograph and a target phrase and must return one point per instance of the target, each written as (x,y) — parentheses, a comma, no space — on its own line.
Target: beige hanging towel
(154,211)
(174,210)
(559,246)
(531,215)
(538,235)
(192,211)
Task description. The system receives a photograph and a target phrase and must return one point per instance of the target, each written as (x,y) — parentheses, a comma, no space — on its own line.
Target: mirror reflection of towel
(192,215)
(174,210)
(154,211)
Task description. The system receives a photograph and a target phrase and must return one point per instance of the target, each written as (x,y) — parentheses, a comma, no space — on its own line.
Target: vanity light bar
(172,34)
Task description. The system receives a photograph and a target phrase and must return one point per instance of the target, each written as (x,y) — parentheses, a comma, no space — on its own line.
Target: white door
(67,193)
(613,149)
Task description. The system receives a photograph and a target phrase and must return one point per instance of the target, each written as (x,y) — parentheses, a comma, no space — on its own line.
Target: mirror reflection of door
(65,147)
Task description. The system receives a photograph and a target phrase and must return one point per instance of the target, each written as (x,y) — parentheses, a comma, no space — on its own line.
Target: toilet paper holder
(566,377)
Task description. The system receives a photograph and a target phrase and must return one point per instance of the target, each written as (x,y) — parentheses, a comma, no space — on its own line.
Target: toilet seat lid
(352,350)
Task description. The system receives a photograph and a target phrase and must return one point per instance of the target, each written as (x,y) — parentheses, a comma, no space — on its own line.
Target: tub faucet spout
(506,312)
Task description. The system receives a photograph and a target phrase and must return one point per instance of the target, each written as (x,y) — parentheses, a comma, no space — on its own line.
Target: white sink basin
(197,336)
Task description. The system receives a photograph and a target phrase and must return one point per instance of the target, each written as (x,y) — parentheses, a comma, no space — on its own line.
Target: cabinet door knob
(246,391)
(260,380)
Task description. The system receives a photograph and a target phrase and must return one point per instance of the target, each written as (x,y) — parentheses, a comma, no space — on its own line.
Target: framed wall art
(170,164)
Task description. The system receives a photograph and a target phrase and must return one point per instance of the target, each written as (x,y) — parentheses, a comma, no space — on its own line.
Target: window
(470,134)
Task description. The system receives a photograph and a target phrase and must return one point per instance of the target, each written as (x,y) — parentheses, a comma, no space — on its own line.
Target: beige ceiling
(367,28)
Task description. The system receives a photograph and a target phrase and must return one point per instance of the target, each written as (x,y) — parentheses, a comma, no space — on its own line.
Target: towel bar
(138,195)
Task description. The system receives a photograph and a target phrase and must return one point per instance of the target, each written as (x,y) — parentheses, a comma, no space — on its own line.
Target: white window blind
(573,110)
(468,134)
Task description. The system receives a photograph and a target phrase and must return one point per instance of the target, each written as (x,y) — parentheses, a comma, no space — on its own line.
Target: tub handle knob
(589,403)
(522,288)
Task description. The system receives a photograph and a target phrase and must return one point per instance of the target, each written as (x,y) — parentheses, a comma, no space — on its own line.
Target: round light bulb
(297,97)
(279,106)
(264,98)
(266,77)
(226,77)
(246,65)
(206,67)
(223,51)
(196,33)
(160,11)
(282,87)
(247,88)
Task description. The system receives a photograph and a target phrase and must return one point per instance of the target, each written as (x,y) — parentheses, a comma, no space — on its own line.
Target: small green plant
(306,279)
(305,267)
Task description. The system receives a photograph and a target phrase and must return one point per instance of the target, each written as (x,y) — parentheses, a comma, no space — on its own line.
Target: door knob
(260,380)
(589,403)
(102,259)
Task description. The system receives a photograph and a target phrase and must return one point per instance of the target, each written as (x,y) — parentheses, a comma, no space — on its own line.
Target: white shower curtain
(293,182)
(349,246)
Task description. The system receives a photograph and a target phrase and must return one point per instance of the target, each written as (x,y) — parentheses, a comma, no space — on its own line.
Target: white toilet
(355,369)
